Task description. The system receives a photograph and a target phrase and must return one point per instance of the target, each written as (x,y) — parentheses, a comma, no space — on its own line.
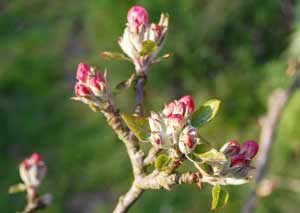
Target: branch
(139,93)
(277,103)
(151,155)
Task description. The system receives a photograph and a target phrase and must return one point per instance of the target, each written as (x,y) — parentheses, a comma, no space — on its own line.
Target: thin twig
(139,94)
(277,103)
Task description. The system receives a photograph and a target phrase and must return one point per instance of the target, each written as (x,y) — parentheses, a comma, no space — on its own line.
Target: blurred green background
(233,50)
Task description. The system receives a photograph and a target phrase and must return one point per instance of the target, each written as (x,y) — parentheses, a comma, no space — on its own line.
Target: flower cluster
(139,34)
(32,170)
(91,86)
(239,157)
(172,126)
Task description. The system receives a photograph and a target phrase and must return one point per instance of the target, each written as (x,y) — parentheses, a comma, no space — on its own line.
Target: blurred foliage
(232,50)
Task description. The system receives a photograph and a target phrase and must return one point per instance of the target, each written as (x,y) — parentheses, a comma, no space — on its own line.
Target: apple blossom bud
(249,149)
(82,72)
(96,82)
(230,148)
(238,160)
(168,110)
(188,139)
(189,103)
(157,29)
(239,165)
(137,16)
(81,90)
(32,170)
(175,123)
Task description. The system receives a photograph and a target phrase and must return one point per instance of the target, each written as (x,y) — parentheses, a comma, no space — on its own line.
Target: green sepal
(148,47)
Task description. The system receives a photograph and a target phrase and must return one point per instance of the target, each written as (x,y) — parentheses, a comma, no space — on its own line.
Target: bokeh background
(233,50)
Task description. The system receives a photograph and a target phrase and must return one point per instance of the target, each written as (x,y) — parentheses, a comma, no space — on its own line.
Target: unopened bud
(188,139)
(32,170)
(82,72)
(230,148)
(249,149)
(96,82)
(137,16)
(189,103)
(239,165)
(168,110)
(81,90)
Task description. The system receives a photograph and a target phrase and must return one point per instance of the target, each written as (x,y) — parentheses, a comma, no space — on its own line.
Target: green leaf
(207,168)
(202,148)
(162,161)
(114,56)
(138,125)
(124,85)
(212,156)
(194,158)
(219,197)
(205,113)
(20,187)
(148,47)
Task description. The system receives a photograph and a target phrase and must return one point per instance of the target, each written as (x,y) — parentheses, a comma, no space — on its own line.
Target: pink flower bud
(238,161)
(81,90)
(249,149)
(189,103)
(157,140)
(176,120)
(137,16)
(231,148)
(82,72)
(32,170)
(188,139)
(35,158)
(96,81)
(168,110)
(157,29)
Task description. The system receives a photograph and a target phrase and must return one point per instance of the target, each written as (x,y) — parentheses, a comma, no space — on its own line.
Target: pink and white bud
(184,107)
(83,71)
(81,90)
(137,16)
(230,148)
(96,82)
(160,140)
(155,122)
(32,170)
(249,149)
(188,139)
(189,103)
(168,110)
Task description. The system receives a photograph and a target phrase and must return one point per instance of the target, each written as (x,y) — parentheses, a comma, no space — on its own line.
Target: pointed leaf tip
(205,113)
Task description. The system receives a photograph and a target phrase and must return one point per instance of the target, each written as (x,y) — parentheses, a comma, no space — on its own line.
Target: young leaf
(202,148)
(123,85)
(161,162)
(148,47)
(219,197)
(205,113)
(20,187)
(114,56)
(138,125)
